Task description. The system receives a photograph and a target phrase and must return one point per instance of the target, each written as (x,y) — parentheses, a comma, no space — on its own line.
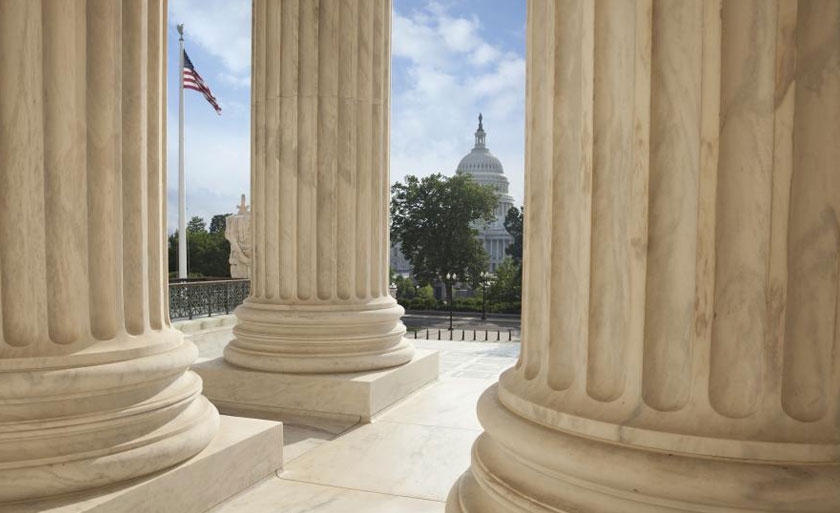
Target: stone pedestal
(328,401)
(319,193)
(94,386)
(243,453)
(680,343)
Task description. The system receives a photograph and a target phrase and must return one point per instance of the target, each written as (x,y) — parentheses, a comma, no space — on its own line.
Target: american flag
(192,80)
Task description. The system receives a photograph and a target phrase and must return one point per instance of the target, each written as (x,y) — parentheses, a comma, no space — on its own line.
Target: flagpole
(182,190)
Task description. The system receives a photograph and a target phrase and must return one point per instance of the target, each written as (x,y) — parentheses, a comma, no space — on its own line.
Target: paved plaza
(414,450)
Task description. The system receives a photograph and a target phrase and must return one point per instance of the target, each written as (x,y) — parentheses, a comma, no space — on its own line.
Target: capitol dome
(480,160)
(486,169)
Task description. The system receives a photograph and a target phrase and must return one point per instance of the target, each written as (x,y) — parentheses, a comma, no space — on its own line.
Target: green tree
(207,252)
(507,284)
(514,221)
(405,287)
(196,225)
(435,219)
(173,254)
(426,292)
(509,273)
(218,223)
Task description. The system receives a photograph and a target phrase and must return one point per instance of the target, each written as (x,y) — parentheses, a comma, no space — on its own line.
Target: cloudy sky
(451,59)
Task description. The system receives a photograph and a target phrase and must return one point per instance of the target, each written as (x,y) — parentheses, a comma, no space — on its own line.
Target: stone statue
(238,233)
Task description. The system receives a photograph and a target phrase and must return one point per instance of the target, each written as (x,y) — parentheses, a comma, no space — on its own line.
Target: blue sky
(451,59)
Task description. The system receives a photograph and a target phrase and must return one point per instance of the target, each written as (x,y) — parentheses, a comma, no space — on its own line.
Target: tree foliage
(218,222)
(426,292)
(196,225)
(405,287)
(514,224)
(435,219)
(207,251)
(507,284)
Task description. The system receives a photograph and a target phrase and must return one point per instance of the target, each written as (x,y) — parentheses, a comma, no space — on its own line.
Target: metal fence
(188,299)
(466,335)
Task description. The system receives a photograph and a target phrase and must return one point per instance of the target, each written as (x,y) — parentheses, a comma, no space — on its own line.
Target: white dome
(484,167)
(480,160)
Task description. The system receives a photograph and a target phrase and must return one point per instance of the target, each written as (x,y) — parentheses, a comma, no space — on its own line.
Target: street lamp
(450,278)
(485,280)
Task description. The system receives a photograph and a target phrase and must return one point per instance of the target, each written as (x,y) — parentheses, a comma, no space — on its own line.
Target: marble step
(244,452)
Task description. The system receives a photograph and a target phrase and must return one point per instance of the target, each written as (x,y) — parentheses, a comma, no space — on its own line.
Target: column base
(66,429)
(520,466)
(244,452)
(330,402)
(325,338)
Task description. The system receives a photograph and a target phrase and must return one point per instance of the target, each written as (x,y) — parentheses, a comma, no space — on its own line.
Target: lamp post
(485,279)
(450,278)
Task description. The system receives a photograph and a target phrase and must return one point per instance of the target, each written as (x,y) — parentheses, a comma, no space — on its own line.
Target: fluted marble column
(680,344)
(319,187)
(94,386)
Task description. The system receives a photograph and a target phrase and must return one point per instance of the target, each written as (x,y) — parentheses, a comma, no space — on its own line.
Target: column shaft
(682,265)
(319,300)
(94,385)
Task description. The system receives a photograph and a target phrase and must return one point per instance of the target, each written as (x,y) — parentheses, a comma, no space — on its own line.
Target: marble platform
(413,451)
(204,323)
(243,453)
(329,402)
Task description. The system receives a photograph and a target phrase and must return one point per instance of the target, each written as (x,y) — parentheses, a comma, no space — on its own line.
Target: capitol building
(485,169)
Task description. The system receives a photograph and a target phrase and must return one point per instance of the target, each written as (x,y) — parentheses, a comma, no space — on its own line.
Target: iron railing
(188,299)
(466,335)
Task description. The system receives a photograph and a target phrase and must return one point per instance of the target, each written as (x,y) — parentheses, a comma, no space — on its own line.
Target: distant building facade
(486,169)
(399,263)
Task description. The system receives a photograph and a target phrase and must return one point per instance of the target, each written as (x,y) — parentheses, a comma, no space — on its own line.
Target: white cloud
(446,72)
(415,39)
(222,27)
(242,82)
(484,54)
(459,33)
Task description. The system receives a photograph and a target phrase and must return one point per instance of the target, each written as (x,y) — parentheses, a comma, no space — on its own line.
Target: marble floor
(405,461)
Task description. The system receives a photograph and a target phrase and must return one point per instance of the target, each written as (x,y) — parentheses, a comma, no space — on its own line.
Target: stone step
(244,452)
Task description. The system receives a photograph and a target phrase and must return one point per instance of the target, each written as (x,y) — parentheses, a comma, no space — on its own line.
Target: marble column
(680,349)
(319,192)
(94,381)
